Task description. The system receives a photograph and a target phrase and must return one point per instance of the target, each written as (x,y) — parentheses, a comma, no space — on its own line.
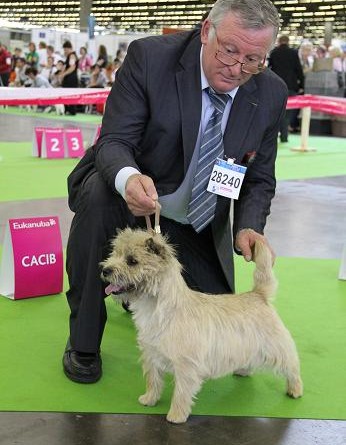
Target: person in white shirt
(38,80)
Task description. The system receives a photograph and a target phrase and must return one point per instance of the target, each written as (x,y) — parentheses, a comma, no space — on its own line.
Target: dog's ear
(155,248)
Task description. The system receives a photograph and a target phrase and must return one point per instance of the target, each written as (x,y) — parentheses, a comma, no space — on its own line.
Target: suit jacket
(152,120)
(285,62)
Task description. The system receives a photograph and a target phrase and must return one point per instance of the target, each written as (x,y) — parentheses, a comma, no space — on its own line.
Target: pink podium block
(53,144)
(96,135)
(37,143)
(74,142)
(32,261)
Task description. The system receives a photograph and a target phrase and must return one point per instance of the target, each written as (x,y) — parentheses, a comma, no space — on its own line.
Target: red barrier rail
(324,104)
(85,96)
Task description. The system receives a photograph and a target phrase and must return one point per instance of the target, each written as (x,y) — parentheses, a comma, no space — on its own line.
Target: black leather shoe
(80,367)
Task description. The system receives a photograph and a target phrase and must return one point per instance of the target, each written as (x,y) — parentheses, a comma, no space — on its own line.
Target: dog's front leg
(154,384)
(187,385)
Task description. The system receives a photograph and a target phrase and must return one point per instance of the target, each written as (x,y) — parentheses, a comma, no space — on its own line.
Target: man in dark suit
(156,115)
(285,62)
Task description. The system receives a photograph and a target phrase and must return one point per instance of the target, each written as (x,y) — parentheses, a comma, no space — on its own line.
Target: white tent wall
(56,38)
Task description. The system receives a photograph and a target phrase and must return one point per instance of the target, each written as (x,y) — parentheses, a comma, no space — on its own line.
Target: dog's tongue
(111,288)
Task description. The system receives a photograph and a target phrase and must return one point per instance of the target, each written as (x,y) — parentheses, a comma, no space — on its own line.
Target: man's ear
(154,247)
(205,31)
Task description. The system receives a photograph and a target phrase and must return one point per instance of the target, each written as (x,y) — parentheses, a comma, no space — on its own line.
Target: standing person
(51,53)
(102,58)
(32,57)
(69,77)
(5,65)
(42,55)
(50,69)
(285,62)
(16,55)
(84,66)
(174,96)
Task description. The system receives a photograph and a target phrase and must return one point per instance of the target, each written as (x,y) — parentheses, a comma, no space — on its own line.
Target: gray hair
(254,14)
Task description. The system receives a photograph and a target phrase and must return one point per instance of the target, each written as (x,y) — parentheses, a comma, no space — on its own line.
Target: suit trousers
(99,212)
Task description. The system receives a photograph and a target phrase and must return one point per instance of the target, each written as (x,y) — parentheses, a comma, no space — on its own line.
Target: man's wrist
(122,177)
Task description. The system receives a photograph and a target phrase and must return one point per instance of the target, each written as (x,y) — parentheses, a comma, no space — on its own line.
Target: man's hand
(245,241)
(140,195)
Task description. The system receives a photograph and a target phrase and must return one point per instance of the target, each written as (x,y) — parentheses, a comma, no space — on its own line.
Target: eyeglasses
(246,67)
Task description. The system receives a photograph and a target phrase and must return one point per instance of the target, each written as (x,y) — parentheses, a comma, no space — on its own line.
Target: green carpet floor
(46,178)
(24,176)
(79,117)
(33,334)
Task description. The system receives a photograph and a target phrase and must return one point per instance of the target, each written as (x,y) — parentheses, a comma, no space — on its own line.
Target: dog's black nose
(106,272)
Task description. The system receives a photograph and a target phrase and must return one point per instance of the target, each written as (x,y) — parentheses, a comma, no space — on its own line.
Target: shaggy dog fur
(192,335)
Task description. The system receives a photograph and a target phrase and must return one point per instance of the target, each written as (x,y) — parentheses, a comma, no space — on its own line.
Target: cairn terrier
(192,335)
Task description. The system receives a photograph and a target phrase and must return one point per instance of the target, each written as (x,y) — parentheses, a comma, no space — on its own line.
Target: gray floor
(308,220)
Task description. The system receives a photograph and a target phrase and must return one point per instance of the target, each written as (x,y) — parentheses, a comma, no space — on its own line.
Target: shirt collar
(205,83)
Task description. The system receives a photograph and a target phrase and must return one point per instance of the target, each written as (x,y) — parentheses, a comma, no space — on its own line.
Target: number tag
(226,179)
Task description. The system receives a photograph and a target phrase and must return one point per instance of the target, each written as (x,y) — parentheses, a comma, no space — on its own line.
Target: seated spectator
(98,78)
(38,81)
(55,78)
(21,79)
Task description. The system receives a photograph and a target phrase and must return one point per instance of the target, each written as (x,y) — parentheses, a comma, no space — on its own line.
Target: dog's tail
(265,283)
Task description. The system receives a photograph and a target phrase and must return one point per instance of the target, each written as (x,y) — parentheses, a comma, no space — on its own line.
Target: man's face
(231,38)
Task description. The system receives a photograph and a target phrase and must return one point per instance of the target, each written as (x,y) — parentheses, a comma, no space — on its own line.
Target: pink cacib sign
(32,261)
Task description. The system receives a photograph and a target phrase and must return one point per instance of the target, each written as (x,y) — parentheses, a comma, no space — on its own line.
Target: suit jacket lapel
(240,120)
(188,79)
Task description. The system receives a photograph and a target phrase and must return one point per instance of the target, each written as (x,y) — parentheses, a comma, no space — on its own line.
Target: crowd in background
(44,67)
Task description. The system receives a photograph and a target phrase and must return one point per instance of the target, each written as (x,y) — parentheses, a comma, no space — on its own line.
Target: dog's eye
(131,261)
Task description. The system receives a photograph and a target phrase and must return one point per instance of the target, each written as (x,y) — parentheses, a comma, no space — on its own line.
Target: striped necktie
(202,204)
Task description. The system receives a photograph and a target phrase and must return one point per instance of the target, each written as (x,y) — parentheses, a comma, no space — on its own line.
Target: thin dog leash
(156,228)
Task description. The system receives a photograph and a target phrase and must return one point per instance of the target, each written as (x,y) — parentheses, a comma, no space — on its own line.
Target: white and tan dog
(193,335)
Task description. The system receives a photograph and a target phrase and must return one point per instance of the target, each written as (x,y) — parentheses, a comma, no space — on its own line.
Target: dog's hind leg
(286,362)
(187,385)
(294,381)
(154,383)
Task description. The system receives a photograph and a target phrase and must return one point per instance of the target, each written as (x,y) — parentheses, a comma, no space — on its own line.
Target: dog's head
(138,261)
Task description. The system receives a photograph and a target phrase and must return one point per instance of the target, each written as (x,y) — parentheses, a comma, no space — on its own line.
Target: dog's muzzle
(118,288)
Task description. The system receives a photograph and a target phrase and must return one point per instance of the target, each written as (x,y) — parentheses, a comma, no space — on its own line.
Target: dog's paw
(147,400)
(174,417)
(295,390)
(242,372)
